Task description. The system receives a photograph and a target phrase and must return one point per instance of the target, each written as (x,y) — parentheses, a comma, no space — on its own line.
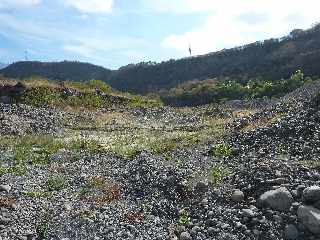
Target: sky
(114,33)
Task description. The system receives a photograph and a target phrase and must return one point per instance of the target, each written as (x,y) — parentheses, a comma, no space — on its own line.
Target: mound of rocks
(284,129)
(22,119)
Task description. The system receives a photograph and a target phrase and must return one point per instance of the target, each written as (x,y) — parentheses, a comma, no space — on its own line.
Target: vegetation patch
(196,93)
(56,183)
(98,191)
(263,122)
(90,145)
(38,194)
(93,94)
(184,218)
(30,149)
(218,173)
(222,150)
(18,170)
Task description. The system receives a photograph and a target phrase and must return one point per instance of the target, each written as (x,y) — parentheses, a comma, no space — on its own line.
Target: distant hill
(3,65)
(271,59)
(66,70)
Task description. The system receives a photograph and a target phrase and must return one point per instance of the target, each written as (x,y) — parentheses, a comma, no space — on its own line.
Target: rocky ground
(163,173)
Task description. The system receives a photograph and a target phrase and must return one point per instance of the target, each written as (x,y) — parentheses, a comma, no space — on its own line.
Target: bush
(56,183)
(217,174)
(40,96)
(99,84)
(222,150)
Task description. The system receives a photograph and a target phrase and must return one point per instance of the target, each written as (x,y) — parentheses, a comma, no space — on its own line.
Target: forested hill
(270,59)
(65,70)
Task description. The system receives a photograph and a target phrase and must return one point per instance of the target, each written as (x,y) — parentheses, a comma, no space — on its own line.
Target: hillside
(66,70)
(271,59)
(77,163)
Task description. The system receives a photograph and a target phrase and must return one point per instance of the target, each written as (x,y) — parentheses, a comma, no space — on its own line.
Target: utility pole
(190,51)
(26,55)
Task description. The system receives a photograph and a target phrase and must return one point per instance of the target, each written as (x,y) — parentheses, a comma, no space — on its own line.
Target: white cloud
(233,23)
(18,3)
(79,50)
(91,6)
(179,6)
(99,49)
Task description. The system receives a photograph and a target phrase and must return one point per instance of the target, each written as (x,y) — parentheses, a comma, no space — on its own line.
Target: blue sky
(113,33)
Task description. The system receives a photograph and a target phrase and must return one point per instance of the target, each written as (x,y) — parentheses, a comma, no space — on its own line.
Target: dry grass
(262,122)
(99,192)
(7,202)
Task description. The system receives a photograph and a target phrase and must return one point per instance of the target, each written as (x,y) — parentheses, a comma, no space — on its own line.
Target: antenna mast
(26,55)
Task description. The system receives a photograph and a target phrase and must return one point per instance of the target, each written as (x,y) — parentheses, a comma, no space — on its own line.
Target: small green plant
(38,194)
(56,183)
(297,76)
(43,230)
(43,227)
(85,144)
(222,150)
(184,218)
(18,170)
(218,173)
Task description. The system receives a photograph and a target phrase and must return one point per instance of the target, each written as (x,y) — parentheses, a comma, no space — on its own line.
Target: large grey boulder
(310,218)
(291,232)
(279,199)
(311,194)
(5,188)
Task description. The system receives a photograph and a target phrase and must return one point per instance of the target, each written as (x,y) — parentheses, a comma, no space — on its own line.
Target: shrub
(85,144)
(99,84)
(56,183)
(217,174)
(222,150)
(40,96)
(184,218)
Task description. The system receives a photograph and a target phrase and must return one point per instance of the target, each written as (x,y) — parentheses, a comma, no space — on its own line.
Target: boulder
(5,188)
(185,236)
(279,199)
(291,232)
(237,196)
(310,218)
(311,194)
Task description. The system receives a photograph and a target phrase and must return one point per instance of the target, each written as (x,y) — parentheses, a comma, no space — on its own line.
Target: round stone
(237,196)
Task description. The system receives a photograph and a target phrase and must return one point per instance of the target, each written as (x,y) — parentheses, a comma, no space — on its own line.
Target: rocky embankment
(266,187)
